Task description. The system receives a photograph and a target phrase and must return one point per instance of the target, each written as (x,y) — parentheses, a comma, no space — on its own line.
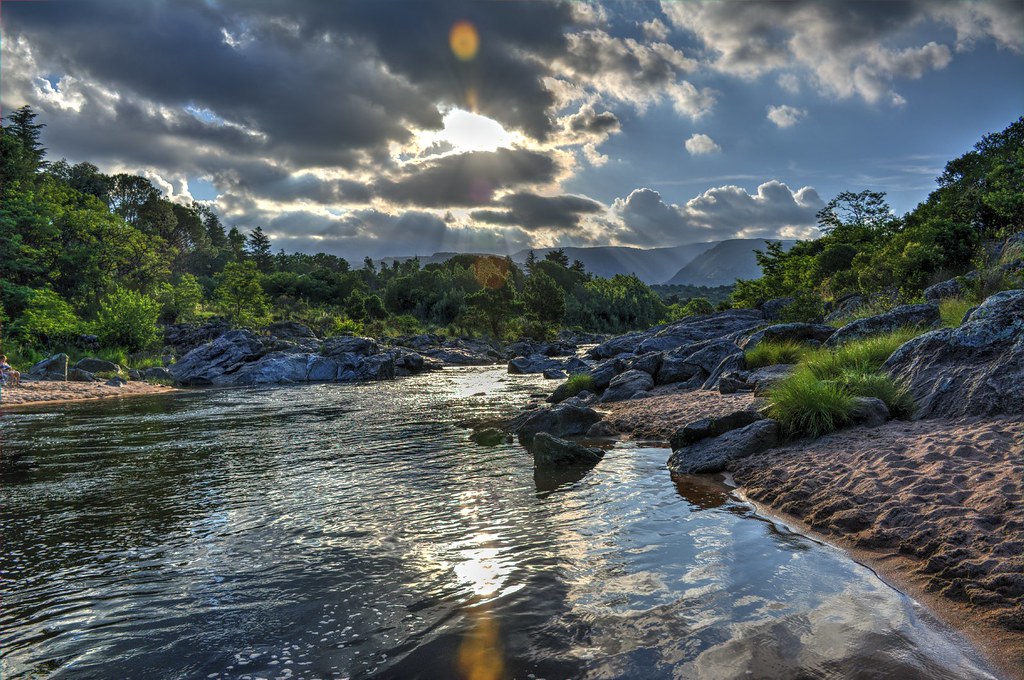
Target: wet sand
(58,392)
(935,506)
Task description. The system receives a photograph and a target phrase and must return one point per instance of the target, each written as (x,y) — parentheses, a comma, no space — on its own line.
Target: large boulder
(919,316)
(952,288)
(625,385)
(706,428)
(975,369)
(54,368)
(94,365)
(563,420)
(78,375)
(348,344)
(715,453)
(700,328)
(791,332)
(551,451)
(458,357)
(763,379)
(155,373)
(694,363)
(214,362)
(845,306)
(269,369)
(534,363)
(185,337)
(376,367)
(291,330)
(772,309)
(648,363)
(730,364)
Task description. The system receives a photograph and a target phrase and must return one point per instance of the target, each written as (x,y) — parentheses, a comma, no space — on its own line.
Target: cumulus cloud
(721,212)
(532,211)
(700,144)
(786,116)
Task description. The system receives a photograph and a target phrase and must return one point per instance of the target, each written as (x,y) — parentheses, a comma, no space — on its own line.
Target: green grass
(579,382)
(805,405)
(771,352)
(866,355)
(862,312)
(879,386)
(953,310)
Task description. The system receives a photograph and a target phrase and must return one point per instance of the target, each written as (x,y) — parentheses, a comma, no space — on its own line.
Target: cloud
(786,116)
(699,144)
(531,211)
(655,29)
(718,213)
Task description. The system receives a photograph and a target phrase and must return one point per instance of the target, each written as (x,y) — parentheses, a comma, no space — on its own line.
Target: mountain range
(712,263)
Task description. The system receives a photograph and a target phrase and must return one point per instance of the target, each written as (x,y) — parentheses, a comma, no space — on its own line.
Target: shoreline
(58,392)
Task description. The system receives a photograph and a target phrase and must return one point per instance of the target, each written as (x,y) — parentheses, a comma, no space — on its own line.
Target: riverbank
(33,393)
(935,506)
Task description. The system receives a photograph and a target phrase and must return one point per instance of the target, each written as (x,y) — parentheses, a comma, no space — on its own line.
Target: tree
(242,295)
(579,267)
(544,299)
(531,259)
(127,319)
(24,129)
(128,194)
(48,319)
(558,256)
(374,307)
(236,245)
(257,245)
(867,210)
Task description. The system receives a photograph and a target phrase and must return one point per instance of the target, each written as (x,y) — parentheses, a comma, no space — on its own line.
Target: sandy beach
(934,506)
(32,393)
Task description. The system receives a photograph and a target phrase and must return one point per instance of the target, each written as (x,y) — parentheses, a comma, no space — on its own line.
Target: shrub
(47,319)
(806,307)
(880,386)
(771,352)
(127,319)
(953,310)
(577,383)
(805,405)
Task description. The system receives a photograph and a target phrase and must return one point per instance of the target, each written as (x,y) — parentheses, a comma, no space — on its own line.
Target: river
(352,531)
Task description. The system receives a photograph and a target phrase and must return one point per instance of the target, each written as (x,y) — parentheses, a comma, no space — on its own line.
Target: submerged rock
(489,436)
(919,316)
(551,451)
(715,453)
(975,369)
(563,420)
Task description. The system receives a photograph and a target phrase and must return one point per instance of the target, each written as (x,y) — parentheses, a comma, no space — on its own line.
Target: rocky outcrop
(788,332)
(918,316)
(952,288)
(714,454)
(626,385)
(694,363)
(975,369)
(54,368)
(705,428)
(772,309)
(551,451)
(185,337)
(682,333)
(291,330)
(760,380)
(348,344)
(563,420)
(538,363)
(208,364)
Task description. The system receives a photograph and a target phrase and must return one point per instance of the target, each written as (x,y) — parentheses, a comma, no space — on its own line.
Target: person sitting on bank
(8,371)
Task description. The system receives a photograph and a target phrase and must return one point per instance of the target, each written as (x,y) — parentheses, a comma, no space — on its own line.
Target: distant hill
(652,265)
(722,264)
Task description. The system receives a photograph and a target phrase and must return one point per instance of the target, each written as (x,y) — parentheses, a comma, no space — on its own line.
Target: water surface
(352,531)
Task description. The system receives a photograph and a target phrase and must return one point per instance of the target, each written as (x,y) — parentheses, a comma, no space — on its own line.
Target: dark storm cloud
(532,212)
(587,120)
(467,179)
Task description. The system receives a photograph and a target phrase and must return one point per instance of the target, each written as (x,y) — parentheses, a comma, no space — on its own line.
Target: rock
(951,288)
(869,411)
(132,374)
(348,344)
(54,368)
(554,374)
(584,398)
(321,369)
(270,369)
(712,427)
(116,382)
(185,337)
(793,332)
(458,357)
(733,382)
(78,375)
(376,367)
(93,365)
(155,373)
(681,333)
(88,341)
(901,317)
(648,363)
(772,309)
(975,369)
(489,436)
(535,363)
(563,420)
(601,429)
(844,306)
(715,453)
(291,330)
(551,451)
(605,371)
(763,379)
(625,385)
(214,362)
(730,364)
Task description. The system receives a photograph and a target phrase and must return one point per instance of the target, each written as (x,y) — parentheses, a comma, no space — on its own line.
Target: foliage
(241,294)
(880,386)
(772,352)
(805,405)
(127,319)
(47,319)
(865,355)
(673,294)
(578,382)
(806,307)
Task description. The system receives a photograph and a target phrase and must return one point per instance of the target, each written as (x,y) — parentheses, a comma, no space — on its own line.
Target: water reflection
(351,531)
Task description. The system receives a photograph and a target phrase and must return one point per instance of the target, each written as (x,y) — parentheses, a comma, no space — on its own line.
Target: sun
(467,131)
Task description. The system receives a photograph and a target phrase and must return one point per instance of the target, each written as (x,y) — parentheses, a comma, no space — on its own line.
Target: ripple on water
(353,531)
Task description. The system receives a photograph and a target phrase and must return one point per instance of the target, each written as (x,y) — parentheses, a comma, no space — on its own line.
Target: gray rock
(554,374)
(54,368)
(733,382)
(116,382)
(715,453)
(376,367)
(601,429)
(185,337)
(712,427)
(155,373)
(763,379)
(794,332)
(604,372)
(648,363)
(845,306)
(291,330)
(869,411)
(975,369)
(270,369)
(951,288)
(551,451)
(78,375)
(132,374)
(321,369)
(920,316)
(93,365)
(563,420)
(458,357)
(772,309)
(584,398)
(681,333)
(730,364)
(625,385)
(348,344)
(214,362)
(535,363)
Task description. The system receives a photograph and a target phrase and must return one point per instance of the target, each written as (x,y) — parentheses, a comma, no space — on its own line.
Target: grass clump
(953,310)
(771,352)
(805,405)
(879,386)
(865,355)
(577,383)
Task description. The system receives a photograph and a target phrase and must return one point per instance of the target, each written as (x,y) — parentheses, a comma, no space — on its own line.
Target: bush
(47,319)
(773,352)
(880,386)
(577,383)
(806,308)
(127,319)
(805,405)
(866,355)
(953,311)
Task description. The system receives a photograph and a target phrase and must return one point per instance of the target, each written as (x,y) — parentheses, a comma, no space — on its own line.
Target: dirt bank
(55,392)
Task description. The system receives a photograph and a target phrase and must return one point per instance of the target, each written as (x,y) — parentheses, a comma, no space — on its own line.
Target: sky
(387,128)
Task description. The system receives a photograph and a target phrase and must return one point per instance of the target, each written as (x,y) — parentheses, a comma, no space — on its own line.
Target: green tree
(850,212)
(558,256)
(257,246)
(242,295)
(544,299)
(374,307)
(24,129)
(48,319)
(127,319)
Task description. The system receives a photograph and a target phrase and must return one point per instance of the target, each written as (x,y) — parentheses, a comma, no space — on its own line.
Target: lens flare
(464,40)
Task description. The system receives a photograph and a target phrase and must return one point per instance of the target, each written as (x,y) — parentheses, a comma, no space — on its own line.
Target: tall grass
(880,386)
(953,310)
(771,352)
(873,308)
(805,405)
(577,383)
(866,355)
